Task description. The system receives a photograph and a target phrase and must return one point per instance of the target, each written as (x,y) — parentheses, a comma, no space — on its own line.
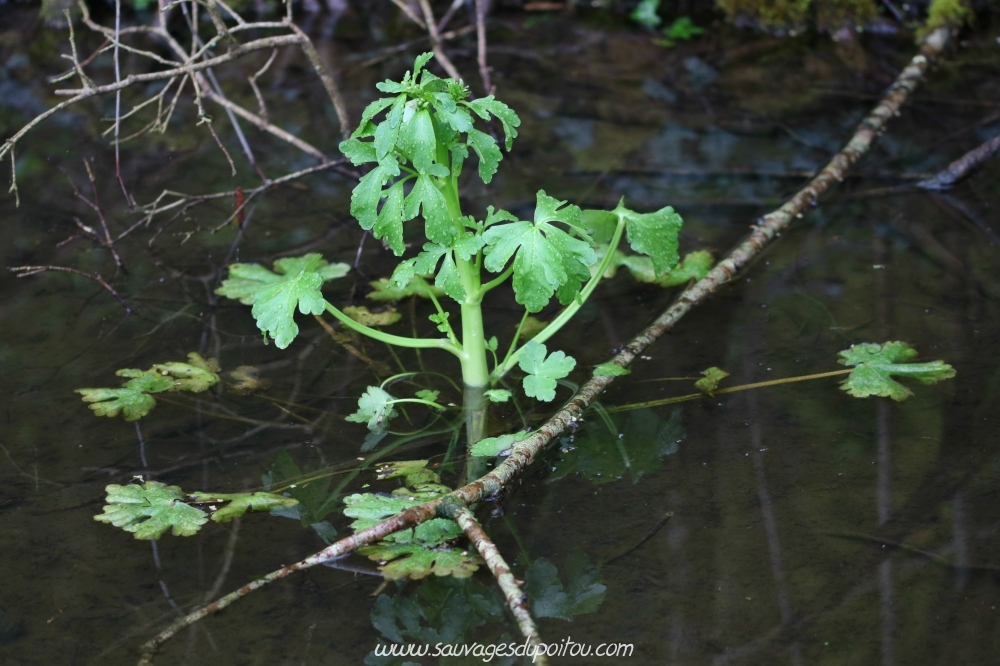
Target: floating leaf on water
(240,503)
(363,315)
(494,446)
(711,381)
(150,509)
(610,369)
(876,364)
(132,400)
(195,376)
(410,560)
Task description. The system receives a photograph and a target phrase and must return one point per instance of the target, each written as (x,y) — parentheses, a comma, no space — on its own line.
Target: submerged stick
(516,600)
(524,453)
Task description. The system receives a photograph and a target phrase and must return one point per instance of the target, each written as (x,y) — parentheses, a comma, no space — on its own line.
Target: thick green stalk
(475,371)
(570,310)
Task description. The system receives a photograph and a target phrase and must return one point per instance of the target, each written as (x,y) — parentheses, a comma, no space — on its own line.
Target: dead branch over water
(524,454)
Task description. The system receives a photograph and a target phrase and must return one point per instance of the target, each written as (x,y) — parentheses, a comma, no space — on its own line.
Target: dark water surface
(808,527)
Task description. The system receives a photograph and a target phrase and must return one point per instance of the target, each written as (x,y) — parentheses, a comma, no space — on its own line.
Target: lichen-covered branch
(516,599)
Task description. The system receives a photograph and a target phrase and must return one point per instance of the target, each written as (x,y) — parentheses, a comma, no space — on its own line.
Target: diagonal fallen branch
(525,453)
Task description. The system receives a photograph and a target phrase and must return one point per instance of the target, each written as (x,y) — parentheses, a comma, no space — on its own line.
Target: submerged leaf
(543,372)
(363,315)
(494,446)
(498,395)
(711,381)
(375,407)
(150,509)
(876,364)
(610,369)
(384,290)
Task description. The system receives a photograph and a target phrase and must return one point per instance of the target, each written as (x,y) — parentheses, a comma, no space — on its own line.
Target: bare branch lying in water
(962,167)
(524,453)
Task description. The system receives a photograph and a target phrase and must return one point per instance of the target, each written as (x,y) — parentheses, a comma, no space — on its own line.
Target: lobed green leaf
(543,371)
(150,509)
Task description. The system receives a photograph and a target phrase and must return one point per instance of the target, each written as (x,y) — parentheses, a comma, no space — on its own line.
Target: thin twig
(524,453)
(961,167)
(405,8)
(439,53)
(482,8)
(25,271)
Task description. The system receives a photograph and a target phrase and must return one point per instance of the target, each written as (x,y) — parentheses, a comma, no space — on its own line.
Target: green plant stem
(429,403)
(388,338)
(497,281)
(570,310)
(732,389)
(513,344)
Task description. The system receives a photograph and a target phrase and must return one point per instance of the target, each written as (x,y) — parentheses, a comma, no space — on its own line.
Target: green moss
(945,13)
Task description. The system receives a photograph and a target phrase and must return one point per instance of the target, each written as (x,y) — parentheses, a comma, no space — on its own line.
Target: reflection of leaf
(694,266)
(711,381)
(150,509)
(363,315)
(375,407)
(543,372)
(876,364)
(131,400)
(442,610)
(314,498)
(602,457)
(494,446)
(240,503)
(583,595)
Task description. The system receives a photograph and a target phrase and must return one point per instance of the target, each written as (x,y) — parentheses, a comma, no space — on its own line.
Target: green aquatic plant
(423,550)
(417,141)
(875,365)
(150,508)
(134,399)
